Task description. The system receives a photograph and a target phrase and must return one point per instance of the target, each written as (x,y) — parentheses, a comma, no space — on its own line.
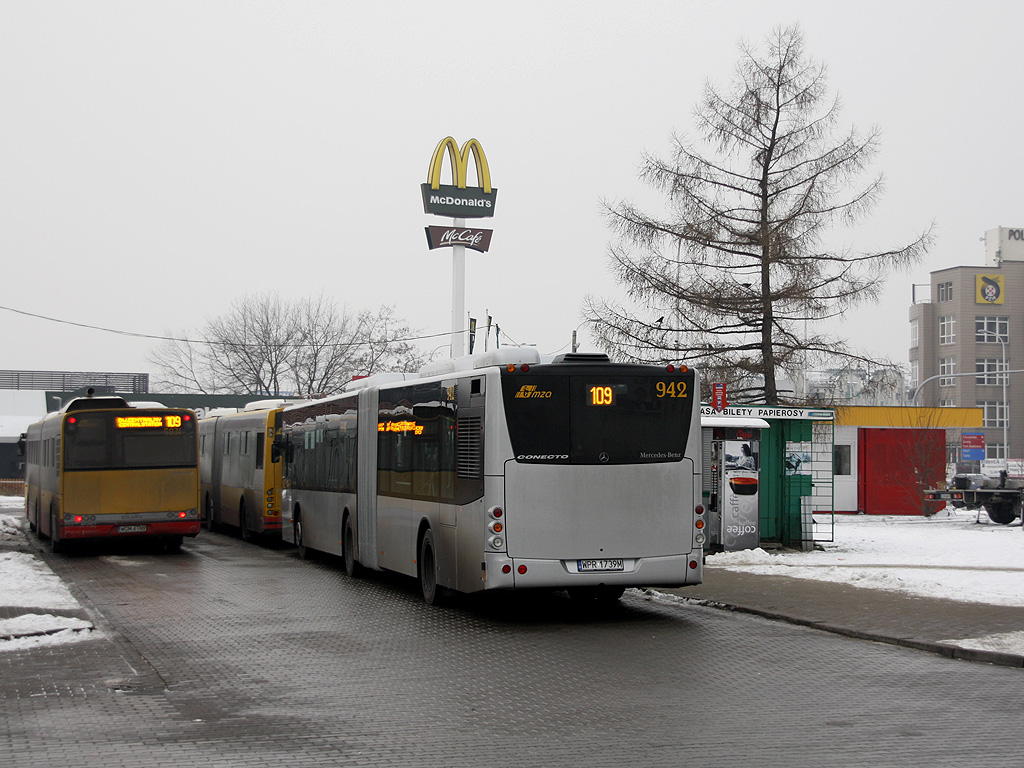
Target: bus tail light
(497,542)
(521,569)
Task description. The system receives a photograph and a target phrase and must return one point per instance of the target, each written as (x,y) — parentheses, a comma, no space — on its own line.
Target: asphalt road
(230,654)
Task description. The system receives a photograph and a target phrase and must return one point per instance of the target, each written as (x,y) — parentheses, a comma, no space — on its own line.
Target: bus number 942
(671,389)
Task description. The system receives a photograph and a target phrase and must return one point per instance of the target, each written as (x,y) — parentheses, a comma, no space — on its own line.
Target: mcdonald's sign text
(472,203)
(456,199)
(445,237)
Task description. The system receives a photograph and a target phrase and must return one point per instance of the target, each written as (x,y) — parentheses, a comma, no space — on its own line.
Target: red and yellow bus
(100,468)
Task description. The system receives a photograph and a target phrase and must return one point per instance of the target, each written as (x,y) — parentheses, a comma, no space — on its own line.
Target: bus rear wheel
(57,545)
(433,593)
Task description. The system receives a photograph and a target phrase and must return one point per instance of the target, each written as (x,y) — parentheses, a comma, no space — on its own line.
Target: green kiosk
(768,476)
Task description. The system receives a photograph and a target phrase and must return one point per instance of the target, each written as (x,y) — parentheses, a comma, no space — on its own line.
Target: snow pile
(951,555)
(27,582)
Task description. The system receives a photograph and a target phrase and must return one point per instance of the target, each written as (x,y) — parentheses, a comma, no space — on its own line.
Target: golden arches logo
(460,164)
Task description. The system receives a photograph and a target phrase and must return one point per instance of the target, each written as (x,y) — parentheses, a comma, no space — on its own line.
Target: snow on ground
(27,582)
(949,555)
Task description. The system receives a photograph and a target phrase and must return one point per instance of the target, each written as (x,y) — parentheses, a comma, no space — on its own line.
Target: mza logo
(456,199)
(530,392)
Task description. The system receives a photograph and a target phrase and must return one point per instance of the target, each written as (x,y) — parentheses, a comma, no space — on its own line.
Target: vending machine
(733,498)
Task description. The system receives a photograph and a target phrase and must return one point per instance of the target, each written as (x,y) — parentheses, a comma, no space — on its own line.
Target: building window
(842,460)
(913,333)
(991,329)
(991,370)
(914,374)
(994,413)
(945,291)
(947,403)
(995,451)
(947,329)
(947,367)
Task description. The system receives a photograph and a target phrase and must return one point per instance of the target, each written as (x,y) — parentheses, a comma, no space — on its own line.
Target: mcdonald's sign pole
(460,202)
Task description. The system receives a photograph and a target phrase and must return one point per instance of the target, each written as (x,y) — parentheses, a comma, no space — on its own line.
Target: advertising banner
(739,497)
(446,237)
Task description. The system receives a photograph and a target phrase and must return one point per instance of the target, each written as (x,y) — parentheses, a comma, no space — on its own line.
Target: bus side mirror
(21,444)
(277,450)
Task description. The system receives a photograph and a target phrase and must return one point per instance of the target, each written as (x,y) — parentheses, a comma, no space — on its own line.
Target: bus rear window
(597,416)
(139,440)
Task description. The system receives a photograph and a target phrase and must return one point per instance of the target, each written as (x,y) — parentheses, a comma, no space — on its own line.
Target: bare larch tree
(735,278)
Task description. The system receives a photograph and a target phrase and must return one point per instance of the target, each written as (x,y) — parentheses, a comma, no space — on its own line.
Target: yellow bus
(241,479)
(100,468)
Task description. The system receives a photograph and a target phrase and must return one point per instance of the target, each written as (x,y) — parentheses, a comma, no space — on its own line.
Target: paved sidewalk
(971,631)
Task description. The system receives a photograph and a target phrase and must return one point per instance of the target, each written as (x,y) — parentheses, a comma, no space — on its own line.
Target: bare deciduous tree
(266,346)
(736,277)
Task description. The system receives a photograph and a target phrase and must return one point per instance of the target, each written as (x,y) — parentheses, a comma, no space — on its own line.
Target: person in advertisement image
(740,496)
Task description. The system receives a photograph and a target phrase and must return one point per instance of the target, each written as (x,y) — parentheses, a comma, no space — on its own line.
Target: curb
(999,658)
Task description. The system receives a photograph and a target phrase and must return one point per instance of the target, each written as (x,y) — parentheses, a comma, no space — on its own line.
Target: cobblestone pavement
(230,654)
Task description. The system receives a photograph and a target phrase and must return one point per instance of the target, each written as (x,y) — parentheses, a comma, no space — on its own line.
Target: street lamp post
(1006,406)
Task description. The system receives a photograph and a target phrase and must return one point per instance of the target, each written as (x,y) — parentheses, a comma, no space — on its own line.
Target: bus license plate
(584,566)
(131,529)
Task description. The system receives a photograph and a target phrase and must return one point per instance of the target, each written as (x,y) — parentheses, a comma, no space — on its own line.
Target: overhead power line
(185,340)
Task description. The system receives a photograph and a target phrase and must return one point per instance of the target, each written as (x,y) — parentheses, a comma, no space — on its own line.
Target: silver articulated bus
(499,471)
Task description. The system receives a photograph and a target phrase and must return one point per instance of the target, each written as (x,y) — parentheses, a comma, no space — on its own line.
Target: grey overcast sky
(159,160)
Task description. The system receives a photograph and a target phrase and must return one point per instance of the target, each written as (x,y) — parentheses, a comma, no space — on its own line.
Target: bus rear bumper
(528,573)
(141,524)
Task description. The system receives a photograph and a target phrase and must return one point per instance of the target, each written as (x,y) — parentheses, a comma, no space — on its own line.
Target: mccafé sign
(456,199)
(445,237)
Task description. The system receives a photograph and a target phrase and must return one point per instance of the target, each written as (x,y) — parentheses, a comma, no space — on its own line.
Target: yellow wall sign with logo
(988,289)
